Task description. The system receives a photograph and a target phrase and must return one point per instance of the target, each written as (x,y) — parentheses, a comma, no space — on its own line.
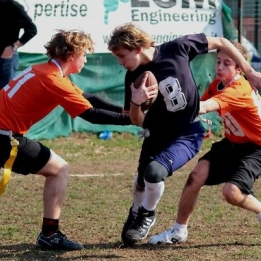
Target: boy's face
(226,68)
(77,62)
(130,60)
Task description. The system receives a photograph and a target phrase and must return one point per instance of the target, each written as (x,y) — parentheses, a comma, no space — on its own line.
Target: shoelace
(142,222)
(63,235)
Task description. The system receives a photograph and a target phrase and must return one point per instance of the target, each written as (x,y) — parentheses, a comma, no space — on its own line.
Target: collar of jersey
(58,65)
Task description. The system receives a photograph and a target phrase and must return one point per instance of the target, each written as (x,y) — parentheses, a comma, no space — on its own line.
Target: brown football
(151,80)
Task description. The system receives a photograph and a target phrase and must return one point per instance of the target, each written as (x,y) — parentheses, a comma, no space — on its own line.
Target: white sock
(153,193)
(180,227)
(138,196)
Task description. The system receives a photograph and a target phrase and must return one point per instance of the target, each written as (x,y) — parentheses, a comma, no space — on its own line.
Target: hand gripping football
(151,80)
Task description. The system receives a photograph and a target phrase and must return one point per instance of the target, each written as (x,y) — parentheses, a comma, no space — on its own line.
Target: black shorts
(31,157)
(239,164)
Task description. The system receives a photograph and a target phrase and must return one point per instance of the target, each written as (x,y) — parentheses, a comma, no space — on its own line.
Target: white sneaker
(170,236)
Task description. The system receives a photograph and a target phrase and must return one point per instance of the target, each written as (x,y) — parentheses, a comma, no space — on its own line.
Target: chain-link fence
(247,18)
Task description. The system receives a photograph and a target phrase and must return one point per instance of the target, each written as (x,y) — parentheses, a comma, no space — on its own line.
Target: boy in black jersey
(174,133)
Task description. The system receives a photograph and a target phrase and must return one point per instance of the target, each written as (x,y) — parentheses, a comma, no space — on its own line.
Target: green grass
(96,207)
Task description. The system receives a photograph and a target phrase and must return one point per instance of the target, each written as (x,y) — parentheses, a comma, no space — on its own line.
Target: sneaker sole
(50,248)
(179,241)
(56,249)
(173,242)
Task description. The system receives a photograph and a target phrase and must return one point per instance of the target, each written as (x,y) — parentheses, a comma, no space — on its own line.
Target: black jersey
(177,104)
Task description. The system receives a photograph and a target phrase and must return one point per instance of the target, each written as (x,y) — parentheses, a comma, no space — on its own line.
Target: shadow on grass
(183,246)
(29,252)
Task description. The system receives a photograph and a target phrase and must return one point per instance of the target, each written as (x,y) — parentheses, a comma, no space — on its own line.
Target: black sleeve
(99,103)
(25,22)
(100,116)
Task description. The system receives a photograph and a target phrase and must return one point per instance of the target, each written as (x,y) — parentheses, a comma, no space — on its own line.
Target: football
(151,80)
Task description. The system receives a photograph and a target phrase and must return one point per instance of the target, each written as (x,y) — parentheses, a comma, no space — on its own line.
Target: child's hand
(143,93)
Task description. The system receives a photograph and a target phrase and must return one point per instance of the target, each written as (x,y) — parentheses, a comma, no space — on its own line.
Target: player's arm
(136,114)
(225,45)
(100,103)
(100,116)
(208,106)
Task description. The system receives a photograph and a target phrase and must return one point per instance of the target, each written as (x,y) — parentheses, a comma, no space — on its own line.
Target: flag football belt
(9,163)
(146,132)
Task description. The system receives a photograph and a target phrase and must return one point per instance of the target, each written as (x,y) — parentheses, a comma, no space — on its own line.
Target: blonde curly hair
(65,43)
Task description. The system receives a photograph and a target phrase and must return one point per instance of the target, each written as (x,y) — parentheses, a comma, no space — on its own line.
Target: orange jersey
(34,93)
(240,110)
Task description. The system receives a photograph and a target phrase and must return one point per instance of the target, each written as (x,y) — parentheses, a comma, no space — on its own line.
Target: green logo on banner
(111,6)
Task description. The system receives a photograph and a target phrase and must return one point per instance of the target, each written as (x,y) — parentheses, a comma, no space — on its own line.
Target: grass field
(97,203)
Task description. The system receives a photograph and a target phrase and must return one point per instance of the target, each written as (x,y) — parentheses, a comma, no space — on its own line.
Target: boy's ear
(71,57)
(239,70)
(139,49)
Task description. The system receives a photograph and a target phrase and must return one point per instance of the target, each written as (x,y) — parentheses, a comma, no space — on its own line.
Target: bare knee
(64,169)
(231,193)
(56,166)
(195,180)
(198,175)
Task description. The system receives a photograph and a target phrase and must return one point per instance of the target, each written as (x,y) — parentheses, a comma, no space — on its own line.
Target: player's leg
(56,172)
(138,194)
(178,233)
(155,174)
(234,196)
(238,190)
(138,189)
(173,155)
(241,172)
(35,158)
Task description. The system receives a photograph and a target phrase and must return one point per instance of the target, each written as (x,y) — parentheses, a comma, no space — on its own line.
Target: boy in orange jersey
(30,96)
(239,151)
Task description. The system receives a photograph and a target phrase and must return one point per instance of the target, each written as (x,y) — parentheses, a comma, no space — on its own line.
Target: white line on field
(82,175)
(95,175)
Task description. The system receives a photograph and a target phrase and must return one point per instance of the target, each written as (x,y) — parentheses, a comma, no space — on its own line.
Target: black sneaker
(57,241)
(141,226)
(125,228)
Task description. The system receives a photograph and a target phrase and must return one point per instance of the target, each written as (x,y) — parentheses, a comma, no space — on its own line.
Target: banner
(163,19)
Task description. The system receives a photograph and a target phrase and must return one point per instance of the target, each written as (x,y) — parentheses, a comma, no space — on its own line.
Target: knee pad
(155,172)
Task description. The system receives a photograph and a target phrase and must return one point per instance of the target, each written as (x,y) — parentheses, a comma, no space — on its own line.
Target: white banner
(164,19)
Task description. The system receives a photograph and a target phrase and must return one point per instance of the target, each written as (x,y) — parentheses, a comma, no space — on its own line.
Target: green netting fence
(104,77)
